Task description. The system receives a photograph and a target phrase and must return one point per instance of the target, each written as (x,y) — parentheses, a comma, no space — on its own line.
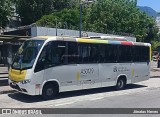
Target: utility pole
(80,23)
(56,27)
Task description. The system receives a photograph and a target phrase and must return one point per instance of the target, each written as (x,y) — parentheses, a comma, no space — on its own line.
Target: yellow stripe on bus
(17,75)
(92,41)
(150,53)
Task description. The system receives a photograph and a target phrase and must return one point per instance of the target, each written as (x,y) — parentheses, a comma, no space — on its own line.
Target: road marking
(60,104)
(98,98)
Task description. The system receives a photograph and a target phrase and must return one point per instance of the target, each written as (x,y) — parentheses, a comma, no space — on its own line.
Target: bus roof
(90,40)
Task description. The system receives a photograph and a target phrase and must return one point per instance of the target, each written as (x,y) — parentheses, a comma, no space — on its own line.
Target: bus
(48,65)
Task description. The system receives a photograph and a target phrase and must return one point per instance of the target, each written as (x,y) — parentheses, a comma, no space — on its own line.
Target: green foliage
(107,15)
(66,18)
(48,20)
(32,10)
(156,43)
(5,12)
(121,16)
(61,4)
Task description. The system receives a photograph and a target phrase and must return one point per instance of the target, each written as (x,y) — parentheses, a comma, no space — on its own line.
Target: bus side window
(83,53)
(145,50)
(55,56)
(125,53)
(88,53)
(94,53)
(112,53)
(72,53)
(102,54)
(137,54)
(58,53)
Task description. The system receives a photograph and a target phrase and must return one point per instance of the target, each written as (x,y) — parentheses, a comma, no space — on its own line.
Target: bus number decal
(87,71)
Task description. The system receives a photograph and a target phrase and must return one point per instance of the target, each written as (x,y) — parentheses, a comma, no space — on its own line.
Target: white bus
(48,65)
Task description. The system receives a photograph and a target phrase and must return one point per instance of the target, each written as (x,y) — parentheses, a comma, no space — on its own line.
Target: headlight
(25,81)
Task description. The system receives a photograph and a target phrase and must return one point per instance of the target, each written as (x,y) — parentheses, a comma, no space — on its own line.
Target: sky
(154,4)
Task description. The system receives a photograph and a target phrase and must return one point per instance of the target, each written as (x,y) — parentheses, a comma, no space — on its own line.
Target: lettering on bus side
(123,69)
(87,71)
(120,69)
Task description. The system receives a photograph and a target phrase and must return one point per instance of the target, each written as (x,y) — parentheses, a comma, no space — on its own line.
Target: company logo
(6,111)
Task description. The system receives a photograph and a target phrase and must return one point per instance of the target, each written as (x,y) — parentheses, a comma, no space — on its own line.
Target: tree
(156,43)
(105,16)
(120,16)
(5,12)
(66,18)
(32,10)
(61,4)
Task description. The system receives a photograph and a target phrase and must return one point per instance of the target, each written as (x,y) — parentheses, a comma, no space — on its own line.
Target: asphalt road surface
(141,95)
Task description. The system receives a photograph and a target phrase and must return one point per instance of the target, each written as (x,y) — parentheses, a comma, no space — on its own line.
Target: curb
(3,81)
(3,75)
(154,76)
(8,91)
(155,69)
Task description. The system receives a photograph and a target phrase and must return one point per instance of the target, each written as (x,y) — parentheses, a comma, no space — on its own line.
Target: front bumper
(29,88)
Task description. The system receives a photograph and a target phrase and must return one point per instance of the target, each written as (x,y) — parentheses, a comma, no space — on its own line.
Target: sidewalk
(6,89)
(154,72)
(3,69)
(3,72)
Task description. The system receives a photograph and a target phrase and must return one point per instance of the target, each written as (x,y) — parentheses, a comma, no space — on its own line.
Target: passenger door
(88,65)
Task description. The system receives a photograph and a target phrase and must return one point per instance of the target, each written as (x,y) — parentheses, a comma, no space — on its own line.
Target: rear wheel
(121,83)
(49,91)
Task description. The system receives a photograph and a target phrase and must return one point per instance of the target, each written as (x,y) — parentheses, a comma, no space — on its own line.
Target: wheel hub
(49,91)
(120,84)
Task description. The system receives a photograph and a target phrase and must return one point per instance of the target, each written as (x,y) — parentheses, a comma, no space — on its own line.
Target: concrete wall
(43,31)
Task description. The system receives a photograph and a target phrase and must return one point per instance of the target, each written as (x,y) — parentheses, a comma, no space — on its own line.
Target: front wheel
(49,92)
(120,84)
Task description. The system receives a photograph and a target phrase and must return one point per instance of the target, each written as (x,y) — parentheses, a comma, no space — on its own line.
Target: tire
(121,83)
(49,91)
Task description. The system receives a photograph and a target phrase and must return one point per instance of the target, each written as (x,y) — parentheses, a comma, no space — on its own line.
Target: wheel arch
(123,76)
(51,81)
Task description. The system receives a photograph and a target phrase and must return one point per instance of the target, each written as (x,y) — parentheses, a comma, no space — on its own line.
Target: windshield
(26,54)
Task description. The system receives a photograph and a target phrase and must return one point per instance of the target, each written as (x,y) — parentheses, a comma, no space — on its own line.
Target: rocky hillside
(148,10)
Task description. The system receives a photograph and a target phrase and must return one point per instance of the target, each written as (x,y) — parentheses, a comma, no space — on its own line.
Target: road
(141,95)
(137,94)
